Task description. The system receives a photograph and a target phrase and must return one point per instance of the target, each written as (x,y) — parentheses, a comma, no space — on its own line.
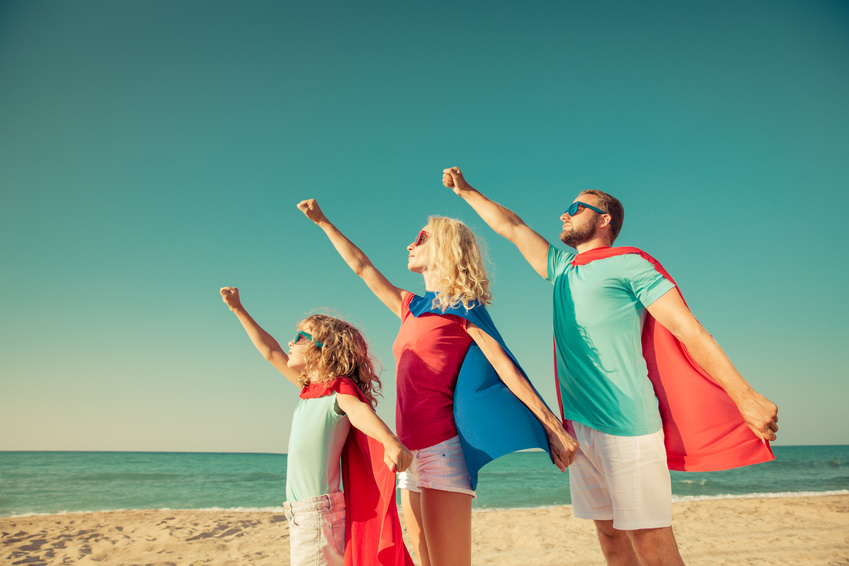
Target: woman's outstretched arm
(563,446)
(391,295)
(265,343)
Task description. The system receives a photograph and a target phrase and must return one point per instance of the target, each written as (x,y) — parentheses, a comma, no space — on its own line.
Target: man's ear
(604,220)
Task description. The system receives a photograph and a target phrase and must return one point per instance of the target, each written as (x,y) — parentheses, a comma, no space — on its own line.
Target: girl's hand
(230,296)
(311,209)
(396,456)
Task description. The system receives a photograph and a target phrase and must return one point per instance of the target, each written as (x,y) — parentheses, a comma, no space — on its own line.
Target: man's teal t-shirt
(319,431)
(599,310)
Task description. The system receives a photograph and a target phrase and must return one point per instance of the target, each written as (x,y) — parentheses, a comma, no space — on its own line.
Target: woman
(430,350)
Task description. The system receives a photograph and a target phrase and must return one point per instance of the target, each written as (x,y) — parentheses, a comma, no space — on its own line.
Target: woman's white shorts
(440,466)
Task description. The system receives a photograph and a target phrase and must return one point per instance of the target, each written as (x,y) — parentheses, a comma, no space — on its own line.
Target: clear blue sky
(154,151)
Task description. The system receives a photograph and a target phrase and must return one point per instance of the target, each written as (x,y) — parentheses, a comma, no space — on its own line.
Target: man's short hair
(613,207)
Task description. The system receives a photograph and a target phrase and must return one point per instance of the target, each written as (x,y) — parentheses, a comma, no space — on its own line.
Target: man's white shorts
(440,466)
(624,478)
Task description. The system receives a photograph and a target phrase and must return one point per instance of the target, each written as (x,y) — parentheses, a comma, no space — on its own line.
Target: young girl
(453,409)
(330,361)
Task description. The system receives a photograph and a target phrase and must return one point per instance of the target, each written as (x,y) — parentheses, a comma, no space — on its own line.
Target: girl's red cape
(373,533)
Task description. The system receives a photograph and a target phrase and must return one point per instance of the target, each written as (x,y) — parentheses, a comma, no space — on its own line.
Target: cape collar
(602,253)
(315,390)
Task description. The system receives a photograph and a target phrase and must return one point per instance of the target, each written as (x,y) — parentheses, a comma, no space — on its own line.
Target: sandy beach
(793,531)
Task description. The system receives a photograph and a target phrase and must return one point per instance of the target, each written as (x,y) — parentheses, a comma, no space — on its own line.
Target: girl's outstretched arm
(391,295)
(395,455)
(563,446)
(264,342)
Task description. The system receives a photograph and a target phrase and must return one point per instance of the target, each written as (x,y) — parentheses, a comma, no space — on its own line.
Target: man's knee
(605,528)
(615,545)
(609,537)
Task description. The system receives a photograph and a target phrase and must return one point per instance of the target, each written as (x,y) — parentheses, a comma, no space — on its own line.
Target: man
(619,477)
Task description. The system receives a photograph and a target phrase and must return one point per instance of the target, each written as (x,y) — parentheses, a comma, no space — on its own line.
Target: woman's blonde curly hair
(456,264)
(345,353)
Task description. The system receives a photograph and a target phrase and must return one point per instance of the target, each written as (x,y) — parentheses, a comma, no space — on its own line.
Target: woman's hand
(562,446)
(454,180)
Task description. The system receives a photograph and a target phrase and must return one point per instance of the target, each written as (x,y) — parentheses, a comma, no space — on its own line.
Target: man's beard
(575,237)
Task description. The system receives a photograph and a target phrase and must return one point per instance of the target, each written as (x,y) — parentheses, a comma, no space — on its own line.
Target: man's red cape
(703,429)
(372,528)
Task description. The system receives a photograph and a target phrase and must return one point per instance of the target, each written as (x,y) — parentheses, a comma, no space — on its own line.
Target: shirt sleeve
(405,305)
(557,262)
(646,282)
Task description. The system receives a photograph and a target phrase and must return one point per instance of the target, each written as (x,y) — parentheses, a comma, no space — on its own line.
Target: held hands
(454,180)
(230,296)
(396,456)
(760,414)
(310,208)
(563,447)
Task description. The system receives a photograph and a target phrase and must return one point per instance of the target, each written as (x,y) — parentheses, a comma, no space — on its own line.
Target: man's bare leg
(615,545)
(642,547)
(656,547)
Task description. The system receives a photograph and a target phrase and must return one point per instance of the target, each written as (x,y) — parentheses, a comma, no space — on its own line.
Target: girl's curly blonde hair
(345,353)
(456,264)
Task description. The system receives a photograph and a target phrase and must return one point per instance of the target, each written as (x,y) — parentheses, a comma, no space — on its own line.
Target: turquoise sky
(154,151)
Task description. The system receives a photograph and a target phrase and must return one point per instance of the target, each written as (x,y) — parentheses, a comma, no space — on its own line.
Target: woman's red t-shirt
(429,351)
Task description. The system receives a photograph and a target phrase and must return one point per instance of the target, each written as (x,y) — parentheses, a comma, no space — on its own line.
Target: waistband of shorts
(318,503)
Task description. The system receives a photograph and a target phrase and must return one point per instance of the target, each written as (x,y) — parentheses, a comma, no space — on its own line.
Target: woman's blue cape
(491,421)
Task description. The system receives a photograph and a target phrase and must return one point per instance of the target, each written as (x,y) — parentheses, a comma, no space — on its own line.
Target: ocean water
(59,482)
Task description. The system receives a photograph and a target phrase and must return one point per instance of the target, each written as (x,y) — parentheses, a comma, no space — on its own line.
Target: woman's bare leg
(447,520)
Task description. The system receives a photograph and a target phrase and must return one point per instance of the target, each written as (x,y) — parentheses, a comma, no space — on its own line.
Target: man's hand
(454,180)
(396,456)
(311,209)
(760,414)
(230,296)
(563,447)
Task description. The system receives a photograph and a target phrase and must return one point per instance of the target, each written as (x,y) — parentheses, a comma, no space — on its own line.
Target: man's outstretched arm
(760,413)
(504,221)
